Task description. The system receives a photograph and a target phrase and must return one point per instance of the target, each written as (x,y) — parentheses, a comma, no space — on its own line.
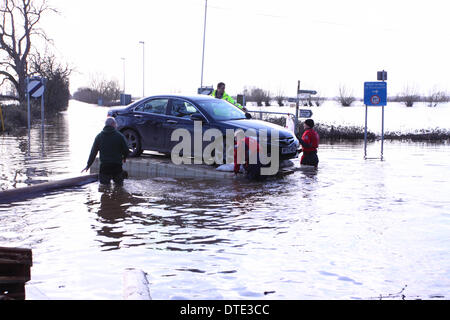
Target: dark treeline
(106,91)
(409,96)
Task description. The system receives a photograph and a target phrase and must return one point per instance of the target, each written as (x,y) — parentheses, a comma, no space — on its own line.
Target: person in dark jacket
(310,143)
(113,149)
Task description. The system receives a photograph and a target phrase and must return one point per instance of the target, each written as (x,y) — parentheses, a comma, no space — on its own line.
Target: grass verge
(15,117)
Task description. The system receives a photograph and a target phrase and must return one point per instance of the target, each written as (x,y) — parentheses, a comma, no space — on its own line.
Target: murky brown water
(354,229)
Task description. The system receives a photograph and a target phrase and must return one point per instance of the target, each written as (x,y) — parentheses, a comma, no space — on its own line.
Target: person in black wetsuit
(113,149)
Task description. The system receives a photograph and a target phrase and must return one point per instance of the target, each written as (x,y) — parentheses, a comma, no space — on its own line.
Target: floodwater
(353,229)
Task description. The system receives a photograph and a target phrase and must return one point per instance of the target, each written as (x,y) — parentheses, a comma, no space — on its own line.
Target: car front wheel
(134,143)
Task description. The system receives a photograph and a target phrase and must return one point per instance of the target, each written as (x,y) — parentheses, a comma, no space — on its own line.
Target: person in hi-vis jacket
(220,93)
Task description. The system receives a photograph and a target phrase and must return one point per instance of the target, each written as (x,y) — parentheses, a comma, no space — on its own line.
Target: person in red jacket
(310,143)
(251,153)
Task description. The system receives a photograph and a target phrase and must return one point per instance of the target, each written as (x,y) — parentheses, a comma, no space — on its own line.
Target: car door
(179,117)
(150,116)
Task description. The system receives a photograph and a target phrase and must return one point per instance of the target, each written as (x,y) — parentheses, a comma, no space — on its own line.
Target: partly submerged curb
(36,190)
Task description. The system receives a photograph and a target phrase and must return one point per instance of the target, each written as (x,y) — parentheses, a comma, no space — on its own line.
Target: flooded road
(353,229)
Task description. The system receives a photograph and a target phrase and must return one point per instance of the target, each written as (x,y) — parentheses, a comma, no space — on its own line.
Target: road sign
(205,90)
(306,91)
(382,75)
(375,93)
(35,88)
(305,113)
(304,96)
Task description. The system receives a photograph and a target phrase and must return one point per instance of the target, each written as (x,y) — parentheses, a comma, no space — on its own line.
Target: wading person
(310,143)
(246,156)
(113,149)
(220,93)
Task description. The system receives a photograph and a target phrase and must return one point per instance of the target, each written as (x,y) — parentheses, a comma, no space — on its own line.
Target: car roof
(194,97)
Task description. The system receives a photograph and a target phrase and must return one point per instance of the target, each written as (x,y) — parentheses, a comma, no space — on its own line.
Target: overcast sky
(265,43)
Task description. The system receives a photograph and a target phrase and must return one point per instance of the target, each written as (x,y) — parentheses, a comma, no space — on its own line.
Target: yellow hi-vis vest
(227,98)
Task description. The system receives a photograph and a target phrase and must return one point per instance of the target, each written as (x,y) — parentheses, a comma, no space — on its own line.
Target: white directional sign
(307,91)
(305,113)
(304,96)
(35,88)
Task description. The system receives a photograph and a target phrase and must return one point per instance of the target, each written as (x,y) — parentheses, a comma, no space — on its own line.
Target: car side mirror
(248,115)
(197,117)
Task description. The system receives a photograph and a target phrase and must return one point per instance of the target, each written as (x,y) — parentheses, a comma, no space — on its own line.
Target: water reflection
(111,212)
(175,216)
(36,155)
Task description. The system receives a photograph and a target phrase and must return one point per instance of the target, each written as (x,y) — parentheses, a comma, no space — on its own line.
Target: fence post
(1,116)
(15,264)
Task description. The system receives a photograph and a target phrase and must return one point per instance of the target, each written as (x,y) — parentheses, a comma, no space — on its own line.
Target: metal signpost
(375,94)
(36,89)
(303,113)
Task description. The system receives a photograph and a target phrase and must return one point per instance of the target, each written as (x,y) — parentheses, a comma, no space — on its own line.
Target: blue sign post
(375,94)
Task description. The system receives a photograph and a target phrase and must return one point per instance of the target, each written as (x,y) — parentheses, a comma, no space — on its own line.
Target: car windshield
(221,110)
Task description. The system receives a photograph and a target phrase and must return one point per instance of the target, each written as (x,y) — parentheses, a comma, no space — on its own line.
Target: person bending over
(113,149)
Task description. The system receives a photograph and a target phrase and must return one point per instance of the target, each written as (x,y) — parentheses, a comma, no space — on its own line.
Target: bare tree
(267,98)
(318,99)
(57,93)
(99,88)
(409,96)
(280,97)
(346,97)
(258,95)
(19,24)
(435,96)
(108,90)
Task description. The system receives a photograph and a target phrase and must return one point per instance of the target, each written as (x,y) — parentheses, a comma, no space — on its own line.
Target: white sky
(265,43)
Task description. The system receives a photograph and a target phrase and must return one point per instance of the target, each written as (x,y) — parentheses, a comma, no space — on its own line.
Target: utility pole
(143,68)
(297,106)
(204,35)
(123,59)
